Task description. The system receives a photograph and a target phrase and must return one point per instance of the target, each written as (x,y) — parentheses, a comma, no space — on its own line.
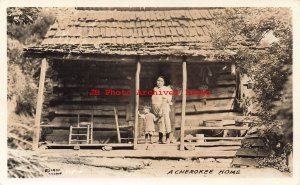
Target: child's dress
(149,123)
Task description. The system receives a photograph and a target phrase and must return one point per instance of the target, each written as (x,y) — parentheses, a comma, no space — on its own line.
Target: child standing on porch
(149,124)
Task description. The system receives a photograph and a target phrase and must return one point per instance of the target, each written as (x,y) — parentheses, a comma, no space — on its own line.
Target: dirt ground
(137,167)
(78,164)
(161,168)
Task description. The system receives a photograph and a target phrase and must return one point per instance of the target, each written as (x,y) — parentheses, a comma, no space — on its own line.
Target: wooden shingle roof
(148,32)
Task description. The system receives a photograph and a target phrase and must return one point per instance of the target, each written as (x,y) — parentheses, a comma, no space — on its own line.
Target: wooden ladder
(83,131)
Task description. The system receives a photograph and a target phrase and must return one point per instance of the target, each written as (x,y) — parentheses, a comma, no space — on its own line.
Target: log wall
(220,105)
(217,77)
(69,95)
(68,84)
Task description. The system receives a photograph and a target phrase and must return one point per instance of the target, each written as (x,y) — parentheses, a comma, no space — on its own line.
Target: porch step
(253,148)
(247,162)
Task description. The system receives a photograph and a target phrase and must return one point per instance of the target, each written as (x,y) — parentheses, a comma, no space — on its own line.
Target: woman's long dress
(161,108)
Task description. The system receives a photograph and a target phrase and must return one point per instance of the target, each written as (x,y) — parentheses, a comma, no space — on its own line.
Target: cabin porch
(210,123)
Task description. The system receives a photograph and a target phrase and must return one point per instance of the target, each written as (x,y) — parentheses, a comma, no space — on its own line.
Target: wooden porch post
(137,101)
(184,86)
(39,106)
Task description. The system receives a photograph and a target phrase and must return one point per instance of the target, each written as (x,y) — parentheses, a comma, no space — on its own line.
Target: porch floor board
(89,146)
(203,150)
(151,154)
(141,146)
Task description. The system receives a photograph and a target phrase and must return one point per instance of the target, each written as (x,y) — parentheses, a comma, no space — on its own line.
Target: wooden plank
(222,92)
(76,90)
(173,59)
(197,119)
(226,82)
(88,112)
(75,63)
(70,134)
(184,87)
(111,83)
(52,103)
(88,107)
(252,136)
(88,135)
(253,142)
(97,127)
(216,93)
(131,108)
(39,105)
(217,143)
(117,126)
(215,138)
(124,59)
(223,138)
(67,121)
(249,152)
(134,153)
(217,128)
(93,58)
(85,97)
(158,147)
(197,105)
(90,100)
(174,72)
(228,122)
(115,145)
(161,154)
(206,106)
(92,128)
(137,98)
(218,148)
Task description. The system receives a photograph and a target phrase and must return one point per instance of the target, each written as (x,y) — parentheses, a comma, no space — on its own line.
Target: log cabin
(91,55)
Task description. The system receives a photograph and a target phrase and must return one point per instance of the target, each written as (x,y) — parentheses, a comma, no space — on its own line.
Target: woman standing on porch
(161,109)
